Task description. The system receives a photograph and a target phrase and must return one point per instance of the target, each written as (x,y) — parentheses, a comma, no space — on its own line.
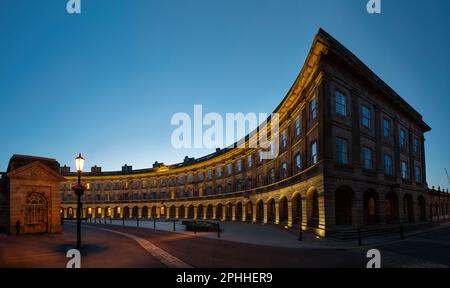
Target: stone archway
(312,206)
(209,212)
(344,198)
(260,211)
(126,212)
(371,207)
(249,211)
(144,212)
(408,208)
(153,212)
(271,211)
(172,212)
(297,209)
(181,212)
(392,215)
(219,211)
(200,211)
(283,210)
(229,212)
(238,211)
(191,212)
(422,208)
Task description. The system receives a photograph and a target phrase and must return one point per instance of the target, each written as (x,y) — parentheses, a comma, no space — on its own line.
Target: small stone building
(29,196)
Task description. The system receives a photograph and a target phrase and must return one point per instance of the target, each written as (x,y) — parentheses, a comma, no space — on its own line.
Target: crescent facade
(351,154)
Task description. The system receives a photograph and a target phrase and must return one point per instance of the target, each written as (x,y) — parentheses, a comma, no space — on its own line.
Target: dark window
(342,150)
(341,104)
(366,116)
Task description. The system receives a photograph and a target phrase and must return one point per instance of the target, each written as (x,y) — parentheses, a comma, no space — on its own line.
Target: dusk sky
(107,82)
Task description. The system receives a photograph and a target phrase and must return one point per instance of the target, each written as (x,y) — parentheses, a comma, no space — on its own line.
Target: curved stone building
(351,154)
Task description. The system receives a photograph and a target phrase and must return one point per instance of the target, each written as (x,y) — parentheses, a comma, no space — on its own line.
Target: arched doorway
(200,211)
(162,211)
(260,211)
(271,211)
(191,212)
(371,207)
(297,209)
(172,212)
(422,208)
(408,208)
(98,212)
(135,212)
(145,212)
(219,211)
(249,211)
(153,212)
(229,212)
(209,211)
(239,211)
(313,208)
(181,212)
(343,205)
(283,209)
(126,212)
(117,212)
(391,208)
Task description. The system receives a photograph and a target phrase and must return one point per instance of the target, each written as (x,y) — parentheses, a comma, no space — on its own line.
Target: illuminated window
(404,166)
(219,172)
(388,164)
(249,161)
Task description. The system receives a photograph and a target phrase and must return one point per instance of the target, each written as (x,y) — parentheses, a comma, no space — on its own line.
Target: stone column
(233,212)
(186,212)
(277,212)
(167,213)
(205,209)
(195,212)
(214,212)
(224,212)
(290,213)
(158,210)
(177,212)
(244,212)
(254,212)
(139,213)
(265,213)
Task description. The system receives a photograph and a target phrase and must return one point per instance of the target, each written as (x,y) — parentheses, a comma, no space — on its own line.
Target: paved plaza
(134,247)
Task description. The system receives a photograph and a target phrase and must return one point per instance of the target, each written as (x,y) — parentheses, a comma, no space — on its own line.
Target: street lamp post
(79,190)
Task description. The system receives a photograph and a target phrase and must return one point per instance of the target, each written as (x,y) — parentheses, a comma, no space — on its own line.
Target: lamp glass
(79,163)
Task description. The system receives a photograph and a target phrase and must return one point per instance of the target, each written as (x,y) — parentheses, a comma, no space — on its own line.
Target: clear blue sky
(107,82)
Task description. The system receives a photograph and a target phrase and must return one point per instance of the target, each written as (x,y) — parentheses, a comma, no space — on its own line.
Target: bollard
(359,237)
(154,223)
(300,234)
(402,233)
(218,229)
(137,221)
(123,221)
(173,225)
